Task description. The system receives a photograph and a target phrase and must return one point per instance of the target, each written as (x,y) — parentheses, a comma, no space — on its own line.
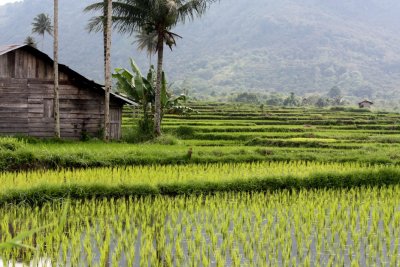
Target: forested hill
(304,46)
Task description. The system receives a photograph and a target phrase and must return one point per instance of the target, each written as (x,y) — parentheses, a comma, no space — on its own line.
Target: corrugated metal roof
(4,49)
(8,48)
(124,98)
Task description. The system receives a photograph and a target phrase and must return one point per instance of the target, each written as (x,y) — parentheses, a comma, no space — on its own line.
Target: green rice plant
(310,192)
(42,186)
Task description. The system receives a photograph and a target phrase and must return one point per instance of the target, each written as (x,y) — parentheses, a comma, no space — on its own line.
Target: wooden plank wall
(26,98)
(80,110)
(13,106)
(20,64)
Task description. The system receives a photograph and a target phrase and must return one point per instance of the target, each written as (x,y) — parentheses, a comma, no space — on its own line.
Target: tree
(107,68)
(336,96)
(41,25)
(57,130)
(275,100)
(335,92)
(291,101)
(104,23)
(153,17)
(322,102)
(30,41)
(247,98)
(148,42)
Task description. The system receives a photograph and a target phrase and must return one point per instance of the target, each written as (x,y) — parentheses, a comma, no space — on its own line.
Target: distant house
(26,98)
(365,104)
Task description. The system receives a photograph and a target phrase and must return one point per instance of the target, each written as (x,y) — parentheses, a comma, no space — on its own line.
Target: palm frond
(42,24)
(95,24)
(190,9)
(94,7)
(147,41)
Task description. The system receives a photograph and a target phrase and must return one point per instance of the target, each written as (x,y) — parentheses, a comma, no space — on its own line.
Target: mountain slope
(304,46)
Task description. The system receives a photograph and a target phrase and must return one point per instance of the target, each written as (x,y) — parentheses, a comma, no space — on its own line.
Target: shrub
(10,144)
(85,136)
(142,133)
(264,152)
(27,139)
(146,127)
(359,110)
(338,109)
(129,135)
(317,117)
(165,139)
(185,132)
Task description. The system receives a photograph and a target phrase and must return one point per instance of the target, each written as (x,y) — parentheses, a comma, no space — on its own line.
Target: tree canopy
(152,17)
(42,24)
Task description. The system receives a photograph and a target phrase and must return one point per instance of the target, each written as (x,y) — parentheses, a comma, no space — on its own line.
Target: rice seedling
(308,227)
(289,205)
(180,179)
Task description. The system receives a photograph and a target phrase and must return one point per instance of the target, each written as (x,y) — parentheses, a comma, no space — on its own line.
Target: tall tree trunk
(150,59)
(157,113)
(57,131)
(105,16)
(107,68)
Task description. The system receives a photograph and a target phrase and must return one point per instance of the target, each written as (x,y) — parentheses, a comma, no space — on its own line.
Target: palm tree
(104,23)
(107,67)
(41,25)
(57,130)
(30,41)
(148,42)
(153,17)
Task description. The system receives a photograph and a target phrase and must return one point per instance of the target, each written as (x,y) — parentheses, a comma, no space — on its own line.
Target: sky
(2,2)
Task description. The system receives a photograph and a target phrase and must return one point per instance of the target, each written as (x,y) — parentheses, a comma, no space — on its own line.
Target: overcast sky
(2,2)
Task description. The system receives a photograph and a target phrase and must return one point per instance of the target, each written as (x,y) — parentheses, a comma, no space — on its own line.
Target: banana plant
(142,90)
(137,87)
(171,104)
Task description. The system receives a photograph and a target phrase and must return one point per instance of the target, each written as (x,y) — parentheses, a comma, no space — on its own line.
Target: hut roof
(74,76)
(4,49)
(366,101)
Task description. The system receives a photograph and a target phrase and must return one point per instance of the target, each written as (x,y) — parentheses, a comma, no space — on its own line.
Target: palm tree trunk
(105,12)
(150,60)
(57,131)
(157,113)
(107,69)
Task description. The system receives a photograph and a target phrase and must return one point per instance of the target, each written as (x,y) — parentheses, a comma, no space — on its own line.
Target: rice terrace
(221,139)
(284,187)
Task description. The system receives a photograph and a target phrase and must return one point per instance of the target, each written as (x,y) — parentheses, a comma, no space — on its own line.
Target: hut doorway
(115,123)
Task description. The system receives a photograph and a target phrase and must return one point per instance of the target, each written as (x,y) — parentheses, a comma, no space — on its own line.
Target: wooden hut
(365,104)
(27,98)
